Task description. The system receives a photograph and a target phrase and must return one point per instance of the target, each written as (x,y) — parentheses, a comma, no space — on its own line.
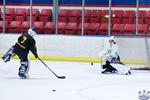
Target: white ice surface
(83,82)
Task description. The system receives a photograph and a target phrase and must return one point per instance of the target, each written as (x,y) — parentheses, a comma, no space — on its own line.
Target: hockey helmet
(113,38)
(32,32)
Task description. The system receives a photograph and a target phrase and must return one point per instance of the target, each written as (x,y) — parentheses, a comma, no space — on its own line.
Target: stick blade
(61,77)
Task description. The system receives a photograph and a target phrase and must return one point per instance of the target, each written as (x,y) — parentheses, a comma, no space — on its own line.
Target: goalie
(111,55)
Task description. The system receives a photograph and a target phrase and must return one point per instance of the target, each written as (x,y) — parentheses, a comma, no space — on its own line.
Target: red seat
(25,26)
(63,15)
(0,14)
(141,17)
(79,29)
(1,26)
(50,28)
(148,31)
(103,29)
(45,15)
(71,28)
(61,27)
(74,15)
(93,28)
(35,14)
(87,14)
(14,27)
(147,17)
(39,26)
(20,14)
(9,14)
(142,28)
(128,17)
(130,29)
(118,29)
(116,16)
(95,14)
(103,19)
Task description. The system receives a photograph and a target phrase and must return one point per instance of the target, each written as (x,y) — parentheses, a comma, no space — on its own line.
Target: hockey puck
(91,63)
(53,90)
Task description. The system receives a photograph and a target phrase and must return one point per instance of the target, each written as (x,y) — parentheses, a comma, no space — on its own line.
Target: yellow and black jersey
(25,43)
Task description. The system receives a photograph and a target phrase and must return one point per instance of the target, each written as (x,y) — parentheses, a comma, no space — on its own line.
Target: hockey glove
(102,53)
(109,57)
(36,55)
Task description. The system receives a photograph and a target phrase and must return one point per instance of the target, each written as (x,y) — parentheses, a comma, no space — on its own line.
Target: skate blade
(25,77)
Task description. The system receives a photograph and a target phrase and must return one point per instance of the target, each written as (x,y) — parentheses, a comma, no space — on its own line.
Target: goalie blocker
(111,55)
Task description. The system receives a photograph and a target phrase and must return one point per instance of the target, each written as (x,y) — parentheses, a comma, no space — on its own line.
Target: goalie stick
(60,77)
(101,63)
(102,47)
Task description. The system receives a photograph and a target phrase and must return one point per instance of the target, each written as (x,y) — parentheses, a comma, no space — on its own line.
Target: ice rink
(83,82)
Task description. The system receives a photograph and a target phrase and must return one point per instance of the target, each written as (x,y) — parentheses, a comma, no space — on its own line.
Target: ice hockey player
(25,43)
(111,55)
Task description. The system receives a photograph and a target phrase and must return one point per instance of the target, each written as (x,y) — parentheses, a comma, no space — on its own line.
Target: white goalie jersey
(110,53)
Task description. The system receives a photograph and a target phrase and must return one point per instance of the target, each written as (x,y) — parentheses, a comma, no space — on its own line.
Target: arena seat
(9,14)
(20,14)
(148,30)
(147,17)
(1,26)
(63,15)
(141,17)
(74,15)
(117,16)
(0,14)
(25,26)
(45,15)
(35,14)
(93,28)
(14,27)
(103,29)
(95,14)
(39,26)
(79,29)
(128,16)
(104,19)
(118,29)
(130,29)
(71,28)
(142,28)
(49,28)
(61,27)
(87,14)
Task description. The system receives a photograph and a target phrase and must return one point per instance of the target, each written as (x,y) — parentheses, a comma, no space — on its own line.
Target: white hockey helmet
(113,38)
(32,32)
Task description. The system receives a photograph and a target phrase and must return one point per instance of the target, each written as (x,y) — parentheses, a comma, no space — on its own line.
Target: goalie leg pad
(123,69)
(108,68)
(23,70)
(9,55)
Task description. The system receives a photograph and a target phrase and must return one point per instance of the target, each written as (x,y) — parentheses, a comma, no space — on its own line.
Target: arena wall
(80,48)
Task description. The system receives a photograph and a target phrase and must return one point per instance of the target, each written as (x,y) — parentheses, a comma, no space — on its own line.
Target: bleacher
(70,21)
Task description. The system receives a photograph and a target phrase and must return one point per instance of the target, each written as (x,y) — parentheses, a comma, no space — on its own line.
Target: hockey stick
(101,63)
(60,77)
(102,47)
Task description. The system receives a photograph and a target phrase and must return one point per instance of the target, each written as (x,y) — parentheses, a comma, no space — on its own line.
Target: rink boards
(80,48)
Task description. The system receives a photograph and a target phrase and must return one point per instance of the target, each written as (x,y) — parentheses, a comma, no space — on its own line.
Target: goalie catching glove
(105,56)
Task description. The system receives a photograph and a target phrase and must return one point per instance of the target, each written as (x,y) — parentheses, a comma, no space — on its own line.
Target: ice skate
(23,70)
(128,73)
